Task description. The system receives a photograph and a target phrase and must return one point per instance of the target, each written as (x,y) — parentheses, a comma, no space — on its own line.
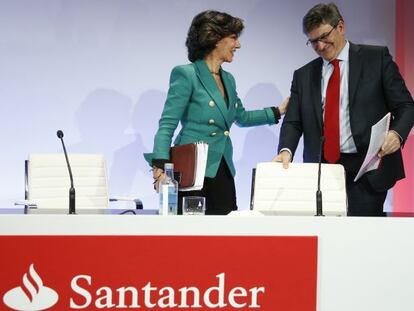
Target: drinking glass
(193,205)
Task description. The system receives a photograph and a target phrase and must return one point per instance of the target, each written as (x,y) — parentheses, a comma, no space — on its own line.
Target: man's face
(328,41)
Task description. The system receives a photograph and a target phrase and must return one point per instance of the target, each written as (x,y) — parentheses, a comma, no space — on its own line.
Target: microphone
(319,211)
(72,209)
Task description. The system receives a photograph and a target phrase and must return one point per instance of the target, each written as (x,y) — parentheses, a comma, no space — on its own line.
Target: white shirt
(347,144)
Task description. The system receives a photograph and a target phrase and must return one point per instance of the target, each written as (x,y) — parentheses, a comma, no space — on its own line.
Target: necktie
(331,123)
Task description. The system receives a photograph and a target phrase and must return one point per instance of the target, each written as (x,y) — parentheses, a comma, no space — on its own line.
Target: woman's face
(226,47)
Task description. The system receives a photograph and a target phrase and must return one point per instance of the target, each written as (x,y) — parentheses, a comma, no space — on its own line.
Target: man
(339,96)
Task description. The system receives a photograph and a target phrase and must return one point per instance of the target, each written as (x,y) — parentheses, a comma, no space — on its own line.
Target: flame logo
(33,296)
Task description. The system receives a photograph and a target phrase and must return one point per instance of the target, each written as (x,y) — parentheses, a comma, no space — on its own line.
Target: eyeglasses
(321,38)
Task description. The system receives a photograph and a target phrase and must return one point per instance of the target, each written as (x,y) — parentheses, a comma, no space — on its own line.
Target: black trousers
(220,192)
(362,199)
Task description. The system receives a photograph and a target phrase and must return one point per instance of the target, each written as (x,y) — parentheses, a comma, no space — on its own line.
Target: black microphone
(72,209)
(319,211)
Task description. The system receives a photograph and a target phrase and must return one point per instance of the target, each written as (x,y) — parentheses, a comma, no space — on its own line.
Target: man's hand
(391,144)
(283,157)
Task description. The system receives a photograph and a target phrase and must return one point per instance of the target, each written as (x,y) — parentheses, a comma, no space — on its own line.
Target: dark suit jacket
(375,88)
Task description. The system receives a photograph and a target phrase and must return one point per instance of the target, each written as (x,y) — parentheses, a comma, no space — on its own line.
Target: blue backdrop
(99,70)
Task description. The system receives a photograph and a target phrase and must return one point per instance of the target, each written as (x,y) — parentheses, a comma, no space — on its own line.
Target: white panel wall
(99,70)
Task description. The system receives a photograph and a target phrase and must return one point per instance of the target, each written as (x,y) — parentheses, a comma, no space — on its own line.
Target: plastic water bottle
(168,192)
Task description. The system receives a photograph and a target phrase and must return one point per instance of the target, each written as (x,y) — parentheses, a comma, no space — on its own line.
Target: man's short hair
(321,14)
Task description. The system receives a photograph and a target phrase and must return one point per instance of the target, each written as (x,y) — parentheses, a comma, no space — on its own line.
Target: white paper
(379,132)
(201,165)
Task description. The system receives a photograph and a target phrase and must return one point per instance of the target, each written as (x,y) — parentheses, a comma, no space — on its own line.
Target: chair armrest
(138,202)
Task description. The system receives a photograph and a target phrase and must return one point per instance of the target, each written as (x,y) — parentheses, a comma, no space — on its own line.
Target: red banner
(403,194)
(158,273)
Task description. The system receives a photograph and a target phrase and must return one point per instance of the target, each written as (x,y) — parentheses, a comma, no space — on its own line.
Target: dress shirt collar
(343,55)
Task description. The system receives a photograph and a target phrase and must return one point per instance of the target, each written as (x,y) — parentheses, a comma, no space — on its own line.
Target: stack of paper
(379,132)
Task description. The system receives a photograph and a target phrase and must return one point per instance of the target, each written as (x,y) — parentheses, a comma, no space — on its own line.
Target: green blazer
(195,100)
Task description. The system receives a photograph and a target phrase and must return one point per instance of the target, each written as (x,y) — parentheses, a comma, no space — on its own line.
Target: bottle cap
(168,166)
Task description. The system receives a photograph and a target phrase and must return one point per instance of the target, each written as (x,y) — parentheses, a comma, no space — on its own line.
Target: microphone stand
(319,192)
(72,209)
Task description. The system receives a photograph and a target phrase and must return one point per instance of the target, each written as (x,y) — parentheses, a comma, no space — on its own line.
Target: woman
(202,96)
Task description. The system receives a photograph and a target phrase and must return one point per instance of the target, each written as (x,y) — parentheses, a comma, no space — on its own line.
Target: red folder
(184,158)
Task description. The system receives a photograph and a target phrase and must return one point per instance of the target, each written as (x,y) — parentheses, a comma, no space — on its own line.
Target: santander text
(150,296)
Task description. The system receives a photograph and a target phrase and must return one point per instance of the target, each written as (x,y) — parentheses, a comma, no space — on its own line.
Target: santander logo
(33,296)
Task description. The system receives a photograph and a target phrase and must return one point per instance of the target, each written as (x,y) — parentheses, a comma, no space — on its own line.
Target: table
(363,263)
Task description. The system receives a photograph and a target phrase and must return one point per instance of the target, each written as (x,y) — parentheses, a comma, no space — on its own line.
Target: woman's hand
(284,105)
(157,175)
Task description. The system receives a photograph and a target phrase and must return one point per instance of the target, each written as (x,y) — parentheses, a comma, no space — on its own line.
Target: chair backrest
(48,182)
(292,191)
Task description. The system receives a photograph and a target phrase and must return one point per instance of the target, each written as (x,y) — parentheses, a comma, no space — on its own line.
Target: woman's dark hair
(321,14)
(208,28)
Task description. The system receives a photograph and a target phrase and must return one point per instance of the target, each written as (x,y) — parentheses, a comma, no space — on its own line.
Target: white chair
(47,182)
(292,191)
